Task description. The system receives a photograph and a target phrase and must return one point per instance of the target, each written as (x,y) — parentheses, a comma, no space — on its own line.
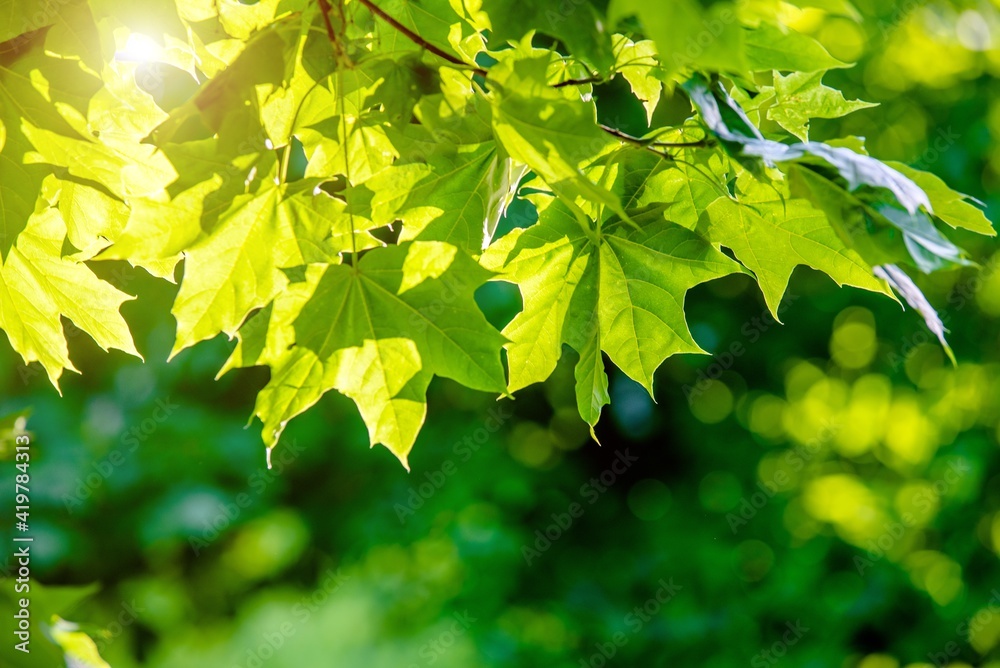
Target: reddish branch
(324,9)
(420,41)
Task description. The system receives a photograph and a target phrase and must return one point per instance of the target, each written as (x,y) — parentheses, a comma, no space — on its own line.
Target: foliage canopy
(332,182)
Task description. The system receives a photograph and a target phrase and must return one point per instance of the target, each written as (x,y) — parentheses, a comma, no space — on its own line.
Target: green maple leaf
(268,338)
(212,174)
(29,102)
(157,230)
(638,64)
(136,170)
(951,206)
(801,96)
(235,269)
(618,290)
(552,131)
(883,232)
(356,144)
(38,287)
(93,217)
(685,190)
(453,192)
(230,104)
(771,236)
(444,198)
(377,333)
(122,111)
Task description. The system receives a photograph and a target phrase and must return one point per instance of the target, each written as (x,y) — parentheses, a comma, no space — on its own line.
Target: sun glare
(139,48)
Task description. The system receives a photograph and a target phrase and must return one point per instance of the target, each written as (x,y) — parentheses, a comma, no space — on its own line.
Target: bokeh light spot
(713,404)
(853,344)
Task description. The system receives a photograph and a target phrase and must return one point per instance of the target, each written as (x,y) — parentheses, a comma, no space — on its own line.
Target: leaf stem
(347,168)
(286,158)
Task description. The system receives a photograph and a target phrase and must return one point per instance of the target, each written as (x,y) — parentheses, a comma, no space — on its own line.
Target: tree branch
(325,9)
(578,82)
(648,143)
(701,143)
(420,41)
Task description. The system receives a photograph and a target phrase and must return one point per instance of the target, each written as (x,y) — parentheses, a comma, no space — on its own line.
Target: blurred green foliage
(825,493)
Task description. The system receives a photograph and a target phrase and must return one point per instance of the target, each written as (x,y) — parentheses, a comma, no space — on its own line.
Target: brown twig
(420,41)
(625,137)
(578,82)
(331,32)
(325,9)
(651,145)
(701,143)
(647,143)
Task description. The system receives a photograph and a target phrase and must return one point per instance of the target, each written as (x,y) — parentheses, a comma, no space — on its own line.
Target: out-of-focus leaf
(771,48)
